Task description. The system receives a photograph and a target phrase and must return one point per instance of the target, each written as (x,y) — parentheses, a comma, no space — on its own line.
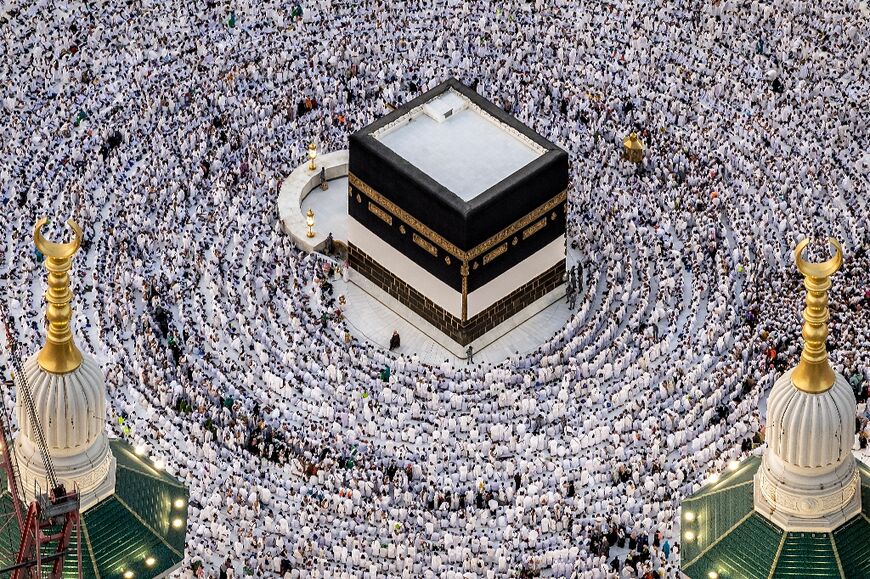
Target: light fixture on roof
(713,575)
(177,523)
(140,449)
(714,478)
(158,464)
(690,536)
(179,503)
(689,516)
(128,574)
(733,465)
(150,561)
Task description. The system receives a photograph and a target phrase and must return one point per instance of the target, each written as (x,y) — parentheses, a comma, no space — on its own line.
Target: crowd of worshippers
(311,452)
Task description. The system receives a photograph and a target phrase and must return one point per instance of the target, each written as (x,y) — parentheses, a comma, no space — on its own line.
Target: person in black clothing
(615,564)
(777,86)
(479,500)
(113,142)
(224,569)
(285,564)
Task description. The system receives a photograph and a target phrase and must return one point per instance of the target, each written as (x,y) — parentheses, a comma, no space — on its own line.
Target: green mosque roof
(723,534)
(138,529)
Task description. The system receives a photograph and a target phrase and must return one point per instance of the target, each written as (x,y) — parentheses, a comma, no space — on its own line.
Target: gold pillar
(813,373)
(463,271)
(312,154)
(309,221)
(59,355)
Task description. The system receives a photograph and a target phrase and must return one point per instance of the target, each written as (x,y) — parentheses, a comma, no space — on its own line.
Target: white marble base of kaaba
(373,314)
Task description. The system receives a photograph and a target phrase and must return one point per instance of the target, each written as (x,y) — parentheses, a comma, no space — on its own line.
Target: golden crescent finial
(821,269)
(813,373)
(59,355)
(57,250)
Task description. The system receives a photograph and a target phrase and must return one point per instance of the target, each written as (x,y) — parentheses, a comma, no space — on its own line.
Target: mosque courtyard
(308,447)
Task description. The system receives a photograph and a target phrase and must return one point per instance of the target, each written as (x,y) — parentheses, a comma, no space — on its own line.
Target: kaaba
(457,210)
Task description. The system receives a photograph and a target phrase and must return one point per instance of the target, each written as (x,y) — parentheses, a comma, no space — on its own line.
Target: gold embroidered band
(439,240)
(388,219)
(425,244)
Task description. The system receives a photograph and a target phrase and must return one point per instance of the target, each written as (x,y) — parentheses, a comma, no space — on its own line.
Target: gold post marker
(813,373)
(312,154)
(309,221)
(59,355)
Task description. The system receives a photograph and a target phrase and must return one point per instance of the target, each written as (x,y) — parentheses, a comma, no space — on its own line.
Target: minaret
(133,512)
(69,395)
(808,480)
(796,511)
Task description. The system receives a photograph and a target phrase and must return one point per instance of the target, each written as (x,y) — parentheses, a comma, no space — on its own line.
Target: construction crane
(52,520)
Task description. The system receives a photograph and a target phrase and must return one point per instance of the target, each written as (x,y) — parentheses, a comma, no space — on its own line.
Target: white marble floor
(330,208)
